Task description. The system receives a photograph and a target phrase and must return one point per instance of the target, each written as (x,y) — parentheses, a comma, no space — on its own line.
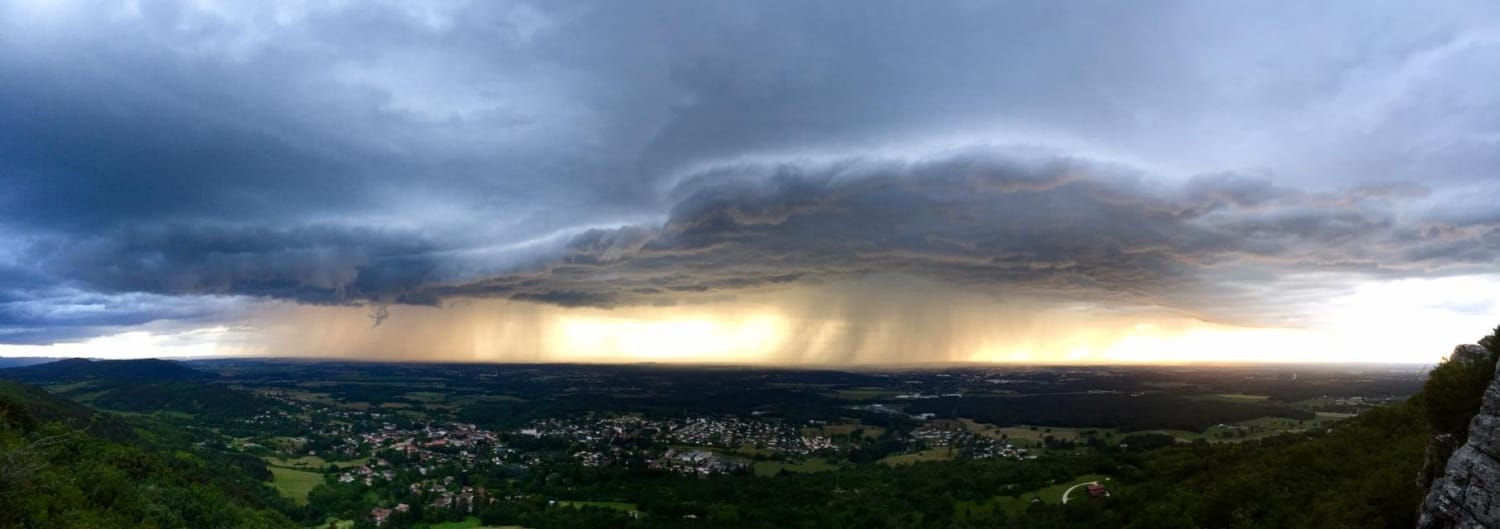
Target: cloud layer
(183,163)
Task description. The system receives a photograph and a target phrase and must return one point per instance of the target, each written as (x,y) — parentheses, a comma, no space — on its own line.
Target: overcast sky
(832,182)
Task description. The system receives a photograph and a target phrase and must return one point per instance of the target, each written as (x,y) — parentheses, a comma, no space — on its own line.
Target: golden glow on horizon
(1402,321)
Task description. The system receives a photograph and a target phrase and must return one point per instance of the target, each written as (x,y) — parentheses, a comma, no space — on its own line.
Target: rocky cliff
(1466,495)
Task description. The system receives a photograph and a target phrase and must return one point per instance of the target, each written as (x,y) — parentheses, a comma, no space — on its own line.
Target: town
(407,464)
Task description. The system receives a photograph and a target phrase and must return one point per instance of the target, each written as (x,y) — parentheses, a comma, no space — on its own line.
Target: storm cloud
(176,163)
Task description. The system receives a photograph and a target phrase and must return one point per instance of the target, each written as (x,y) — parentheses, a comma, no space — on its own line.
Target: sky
(833,183)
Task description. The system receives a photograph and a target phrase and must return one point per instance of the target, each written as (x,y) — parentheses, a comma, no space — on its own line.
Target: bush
(1454,389)
(1452,397)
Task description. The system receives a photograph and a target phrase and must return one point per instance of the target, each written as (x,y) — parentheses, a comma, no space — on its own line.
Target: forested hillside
(63,466)
(142,386)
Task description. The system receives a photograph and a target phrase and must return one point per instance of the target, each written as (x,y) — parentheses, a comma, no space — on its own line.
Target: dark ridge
(27,407)
(77,369)
(21,361)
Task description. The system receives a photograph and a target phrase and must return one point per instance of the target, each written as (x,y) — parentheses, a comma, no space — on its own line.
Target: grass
(1232,397)
(88,397)
(870,432)
(1053,494)
(750,450)
(772,468)
(1031,437)
(930,454)
(1335,416)
(170,414)
(313,397)
(294,484)
(861,394)
(64,388)
(616,505)
(425,396)
(311,462)
(1018,503)
(1027,437)
(471,522)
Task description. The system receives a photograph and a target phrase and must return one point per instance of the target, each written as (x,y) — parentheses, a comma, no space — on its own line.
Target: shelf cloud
(177,166)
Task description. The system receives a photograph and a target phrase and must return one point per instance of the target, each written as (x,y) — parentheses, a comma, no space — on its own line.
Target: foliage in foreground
(53,475)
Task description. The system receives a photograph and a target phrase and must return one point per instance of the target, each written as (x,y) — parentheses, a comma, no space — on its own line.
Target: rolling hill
(140,386)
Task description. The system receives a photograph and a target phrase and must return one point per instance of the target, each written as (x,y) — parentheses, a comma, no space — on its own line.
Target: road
(1070,489)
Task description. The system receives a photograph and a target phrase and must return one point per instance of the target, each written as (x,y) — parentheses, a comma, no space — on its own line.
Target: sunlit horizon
(1373,326)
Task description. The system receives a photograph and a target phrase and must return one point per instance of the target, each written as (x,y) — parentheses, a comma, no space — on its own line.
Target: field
(771,468)
(931,454)
(471,522)
(1050,494)
(1031,436)
(616,505)
(312,463)
(862,394)
(869,432)
(294,484)
(1233,397)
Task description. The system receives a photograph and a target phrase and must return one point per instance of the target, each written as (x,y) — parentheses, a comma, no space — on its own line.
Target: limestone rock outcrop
(1467,493)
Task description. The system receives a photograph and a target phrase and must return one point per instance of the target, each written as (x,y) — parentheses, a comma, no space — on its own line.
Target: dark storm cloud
(52,315)
(1062,229)
(658,152)
(304,263)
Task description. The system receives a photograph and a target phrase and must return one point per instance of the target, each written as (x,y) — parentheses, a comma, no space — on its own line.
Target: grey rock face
(1467,495)
(1468,352)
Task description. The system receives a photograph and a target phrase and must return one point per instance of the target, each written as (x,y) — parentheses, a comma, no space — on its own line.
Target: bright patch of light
(701,339)
(205,342)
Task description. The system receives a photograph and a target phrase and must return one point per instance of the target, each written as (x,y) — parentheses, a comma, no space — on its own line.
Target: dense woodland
(63,465)
(66,465)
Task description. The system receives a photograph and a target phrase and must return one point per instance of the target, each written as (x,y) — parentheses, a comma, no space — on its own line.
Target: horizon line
(765,365)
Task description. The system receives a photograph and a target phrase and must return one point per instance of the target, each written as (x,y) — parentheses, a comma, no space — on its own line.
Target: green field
(861,394)
(1233,397)
(772,468)
(64,388)
(930,454)
(314,397)
(1031,436)
(616,505)
(869,432)
(294,484)
(1050,494)
(471,522)
(313,463)
(425,396)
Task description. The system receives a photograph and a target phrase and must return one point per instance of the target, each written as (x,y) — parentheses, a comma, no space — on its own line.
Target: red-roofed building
(379,515)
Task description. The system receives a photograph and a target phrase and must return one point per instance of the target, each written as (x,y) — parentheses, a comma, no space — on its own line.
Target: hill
(53,474)
(76,369)
(141,386)
(28,407)
(19,361)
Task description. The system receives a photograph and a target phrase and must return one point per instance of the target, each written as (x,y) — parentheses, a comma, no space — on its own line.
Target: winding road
(1070,489)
